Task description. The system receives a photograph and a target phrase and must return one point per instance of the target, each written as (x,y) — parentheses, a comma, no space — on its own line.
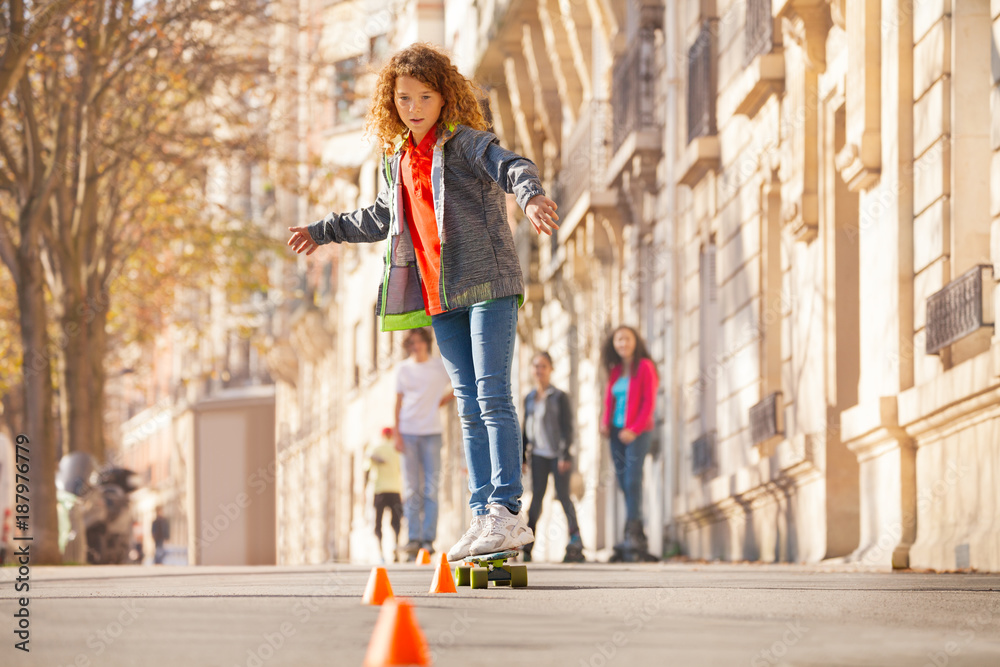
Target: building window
(701,83)
(348,106)
(708,329)
(759,30)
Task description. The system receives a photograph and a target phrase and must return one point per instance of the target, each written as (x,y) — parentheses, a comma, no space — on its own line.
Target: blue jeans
(421,468)
(477,346)
(629,460)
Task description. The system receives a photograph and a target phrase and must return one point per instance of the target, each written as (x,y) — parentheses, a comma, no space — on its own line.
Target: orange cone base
(397,639)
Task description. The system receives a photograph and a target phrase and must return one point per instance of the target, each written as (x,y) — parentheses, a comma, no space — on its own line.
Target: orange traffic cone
(397,639)
(443,582)
(378,589)
(423,557)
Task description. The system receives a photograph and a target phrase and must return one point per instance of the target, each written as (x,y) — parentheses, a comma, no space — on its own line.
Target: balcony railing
(633,89)
(701,84)
(759,30)
(586,157)
(703,457)
(961,308)
(766,419)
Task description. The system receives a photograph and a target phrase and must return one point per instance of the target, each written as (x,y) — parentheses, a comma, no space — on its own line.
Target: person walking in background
(548,438)
(422,388)
(629,408)
(383,460)
(445,215)
(161,533)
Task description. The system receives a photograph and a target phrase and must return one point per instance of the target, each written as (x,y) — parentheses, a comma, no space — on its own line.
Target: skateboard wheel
(462,575)
(518,576)
(479,577)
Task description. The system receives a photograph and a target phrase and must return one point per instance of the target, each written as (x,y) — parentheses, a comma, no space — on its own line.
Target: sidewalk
(577,615)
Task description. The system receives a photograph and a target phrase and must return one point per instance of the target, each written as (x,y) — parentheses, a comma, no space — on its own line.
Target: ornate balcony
(703,456)
(766,422)
(702,152)
(582,183)
(636,130)
(961,308)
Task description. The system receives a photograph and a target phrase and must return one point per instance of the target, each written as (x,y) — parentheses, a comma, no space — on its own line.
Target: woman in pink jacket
(629,408)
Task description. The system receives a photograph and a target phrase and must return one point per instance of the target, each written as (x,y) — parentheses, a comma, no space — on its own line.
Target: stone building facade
(796,202)
(836,209)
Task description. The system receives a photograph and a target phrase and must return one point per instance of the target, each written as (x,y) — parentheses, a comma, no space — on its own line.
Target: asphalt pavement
(580,615)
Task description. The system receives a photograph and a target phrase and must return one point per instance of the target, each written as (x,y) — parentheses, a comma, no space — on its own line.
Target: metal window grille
(759,29)
(585,167)
(960,308)
(701,84)
(765,419)
(703,454)
(633,89)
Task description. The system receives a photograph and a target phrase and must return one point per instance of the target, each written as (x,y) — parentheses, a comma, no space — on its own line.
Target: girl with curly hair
(629,410)
(450,262)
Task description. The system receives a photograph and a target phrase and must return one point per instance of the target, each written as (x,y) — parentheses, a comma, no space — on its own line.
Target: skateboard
(479,571)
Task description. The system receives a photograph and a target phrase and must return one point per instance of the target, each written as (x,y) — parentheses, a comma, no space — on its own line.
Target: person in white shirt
(422,388)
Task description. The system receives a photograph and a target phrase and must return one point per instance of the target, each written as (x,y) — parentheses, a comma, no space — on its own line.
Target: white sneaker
(461,548)
(504,531)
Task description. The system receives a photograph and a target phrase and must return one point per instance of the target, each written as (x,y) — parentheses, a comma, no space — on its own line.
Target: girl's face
(541,369)
(624,342)
(418,106)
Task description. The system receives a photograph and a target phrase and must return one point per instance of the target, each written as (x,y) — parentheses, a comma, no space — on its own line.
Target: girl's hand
(627,436)
(605,431)
(400,445)
(301,240)
(541,211)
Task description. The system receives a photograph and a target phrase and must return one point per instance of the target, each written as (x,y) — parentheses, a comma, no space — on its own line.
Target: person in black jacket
(547,434)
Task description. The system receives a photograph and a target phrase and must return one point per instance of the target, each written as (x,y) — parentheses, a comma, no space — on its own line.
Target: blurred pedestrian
(444,213)
(161,533)
(383,461)
(548,439)
(629,408)
(422,388)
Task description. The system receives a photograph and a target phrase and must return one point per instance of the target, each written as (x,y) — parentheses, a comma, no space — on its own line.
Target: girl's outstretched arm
(515,174)
(366,225)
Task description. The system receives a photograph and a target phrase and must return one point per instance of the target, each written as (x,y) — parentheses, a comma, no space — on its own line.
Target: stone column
(871,429)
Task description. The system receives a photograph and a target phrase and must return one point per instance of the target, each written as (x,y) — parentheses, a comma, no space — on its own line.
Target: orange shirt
(418,206)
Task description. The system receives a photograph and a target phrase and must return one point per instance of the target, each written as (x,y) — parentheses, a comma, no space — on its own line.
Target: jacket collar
(444,133)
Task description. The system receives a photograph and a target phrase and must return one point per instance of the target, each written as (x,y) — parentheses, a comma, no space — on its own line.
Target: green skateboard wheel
(463,575)
(479,577)
(518,576)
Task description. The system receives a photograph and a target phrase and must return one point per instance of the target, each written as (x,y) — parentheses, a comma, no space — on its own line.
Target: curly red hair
(433,68)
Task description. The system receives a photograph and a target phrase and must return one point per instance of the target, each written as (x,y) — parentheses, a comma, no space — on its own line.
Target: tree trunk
(98,340)
(76,364)
(38,418)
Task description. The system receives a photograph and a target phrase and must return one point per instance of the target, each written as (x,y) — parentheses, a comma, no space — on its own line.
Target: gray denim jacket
(470,172)
(557,422)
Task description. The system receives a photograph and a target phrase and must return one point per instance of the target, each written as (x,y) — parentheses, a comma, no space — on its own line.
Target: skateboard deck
(479,571)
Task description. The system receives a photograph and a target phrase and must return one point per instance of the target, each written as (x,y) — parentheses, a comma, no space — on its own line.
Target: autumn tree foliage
(111,113)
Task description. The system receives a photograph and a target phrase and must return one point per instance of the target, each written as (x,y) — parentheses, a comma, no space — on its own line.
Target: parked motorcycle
(95,522)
